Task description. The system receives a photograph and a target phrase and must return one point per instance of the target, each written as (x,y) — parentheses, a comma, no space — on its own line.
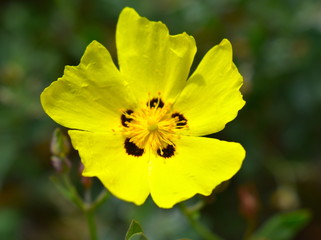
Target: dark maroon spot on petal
(132,149)
(124,119)
(156,102)
(166,152)
(181,119)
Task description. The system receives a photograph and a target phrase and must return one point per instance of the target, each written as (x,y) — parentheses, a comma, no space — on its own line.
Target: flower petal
(104,156)
(211,97)
(88,96)
(198,166)
(151,60)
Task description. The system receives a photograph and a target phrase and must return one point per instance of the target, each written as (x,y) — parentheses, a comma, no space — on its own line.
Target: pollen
(153,127)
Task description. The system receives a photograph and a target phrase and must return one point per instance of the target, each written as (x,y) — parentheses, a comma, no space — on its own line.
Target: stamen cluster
(152,128)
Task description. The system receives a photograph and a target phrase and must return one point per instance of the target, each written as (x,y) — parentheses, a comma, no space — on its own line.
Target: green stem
(204,232)
(66,187)
(90,216)
(102,197)
(250,228)
(73,191)
(90,209)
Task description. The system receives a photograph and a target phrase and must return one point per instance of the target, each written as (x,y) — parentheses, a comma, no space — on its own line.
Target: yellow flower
(137,127)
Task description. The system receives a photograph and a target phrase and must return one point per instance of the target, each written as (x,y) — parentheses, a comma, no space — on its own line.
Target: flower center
(153,128)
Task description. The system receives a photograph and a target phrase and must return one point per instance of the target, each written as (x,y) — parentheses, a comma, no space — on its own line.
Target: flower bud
(60,145)
(249,202)
(61,165)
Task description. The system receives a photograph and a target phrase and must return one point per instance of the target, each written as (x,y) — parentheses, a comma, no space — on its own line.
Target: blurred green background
(277,48)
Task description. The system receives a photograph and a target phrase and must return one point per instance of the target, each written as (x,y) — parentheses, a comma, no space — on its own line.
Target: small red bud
(249,203)
(86,181)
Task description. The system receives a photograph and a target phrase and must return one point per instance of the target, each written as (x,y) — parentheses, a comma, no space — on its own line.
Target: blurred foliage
(282,226)
(277,49)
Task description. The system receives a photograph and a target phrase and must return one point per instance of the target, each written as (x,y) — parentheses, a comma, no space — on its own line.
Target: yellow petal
(151,60)
(211,97)
(104,156)
(88,96)
(198,166)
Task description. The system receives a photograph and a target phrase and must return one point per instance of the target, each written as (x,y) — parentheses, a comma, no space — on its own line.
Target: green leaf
(283,226)
(138,236)
(135,232)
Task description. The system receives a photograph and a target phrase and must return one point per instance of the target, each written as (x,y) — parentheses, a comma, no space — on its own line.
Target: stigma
(152,128)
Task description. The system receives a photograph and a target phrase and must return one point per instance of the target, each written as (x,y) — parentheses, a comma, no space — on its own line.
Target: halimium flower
(137,127)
